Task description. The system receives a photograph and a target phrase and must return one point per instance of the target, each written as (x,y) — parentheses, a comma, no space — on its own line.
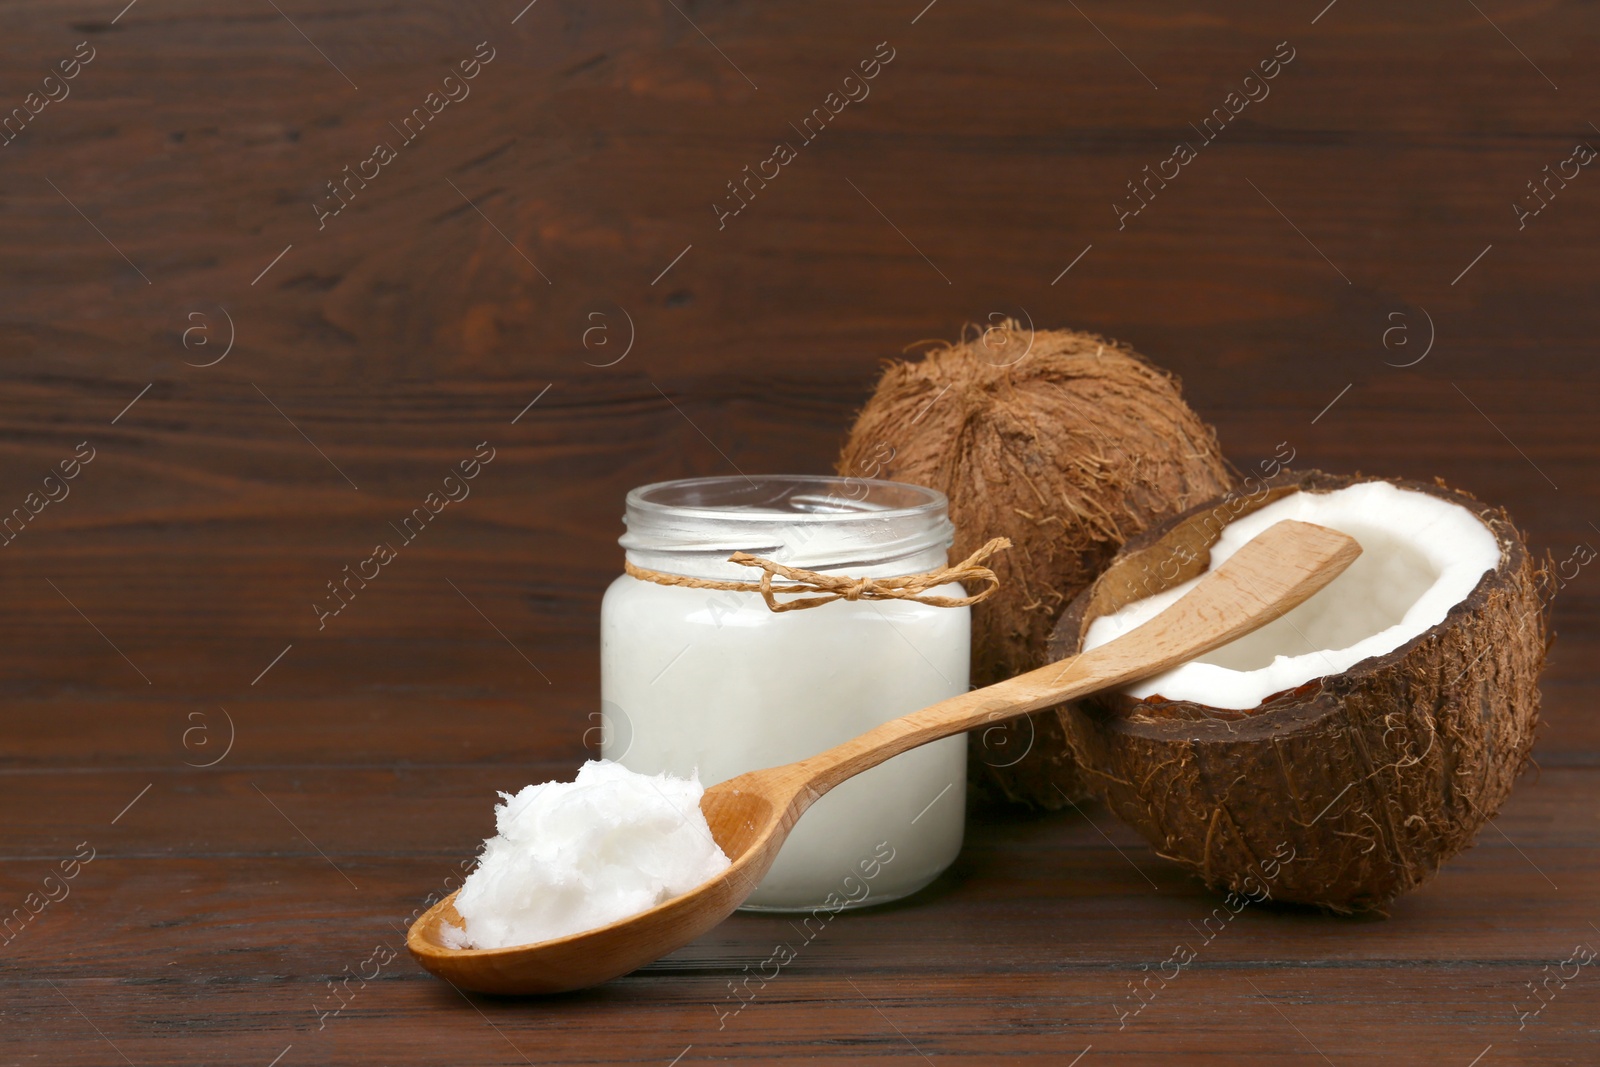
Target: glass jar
(712,682)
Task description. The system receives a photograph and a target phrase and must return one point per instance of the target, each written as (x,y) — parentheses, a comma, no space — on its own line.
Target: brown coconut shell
(1068,444)
(1368,780)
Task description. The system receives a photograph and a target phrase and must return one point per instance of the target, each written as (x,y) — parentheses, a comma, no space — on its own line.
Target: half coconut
(1340,754)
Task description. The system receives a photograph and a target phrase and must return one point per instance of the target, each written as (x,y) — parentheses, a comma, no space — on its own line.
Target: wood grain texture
(1389,153)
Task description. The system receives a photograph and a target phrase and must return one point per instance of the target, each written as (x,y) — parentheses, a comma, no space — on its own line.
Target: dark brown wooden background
(416,325)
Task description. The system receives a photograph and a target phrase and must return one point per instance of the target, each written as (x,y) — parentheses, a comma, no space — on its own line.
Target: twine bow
(831,587)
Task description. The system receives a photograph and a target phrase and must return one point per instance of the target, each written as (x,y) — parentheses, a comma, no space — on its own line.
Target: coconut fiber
(1068,444)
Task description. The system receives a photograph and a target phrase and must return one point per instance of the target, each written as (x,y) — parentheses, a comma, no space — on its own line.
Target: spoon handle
(1278,569)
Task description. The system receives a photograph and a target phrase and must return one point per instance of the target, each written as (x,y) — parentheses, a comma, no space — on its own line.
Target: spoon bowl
(751,815)
(746,824)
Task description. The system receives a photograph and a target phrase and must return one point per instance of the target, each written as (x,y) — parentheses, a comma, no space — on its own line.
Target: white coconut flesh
(1420,557)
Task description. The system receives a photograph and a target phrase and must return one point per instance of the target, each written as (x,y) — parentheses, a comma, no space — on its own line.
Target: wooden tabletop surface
(266,372)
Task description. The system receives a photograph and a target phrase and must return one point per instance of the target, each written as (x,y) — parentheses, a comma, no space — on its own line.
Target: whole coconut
(1352,788)
(1065,442)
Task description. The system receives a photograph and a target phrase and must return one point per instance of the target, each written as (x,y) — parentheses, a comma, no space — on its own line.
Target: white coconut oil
(712,682)
(573,856)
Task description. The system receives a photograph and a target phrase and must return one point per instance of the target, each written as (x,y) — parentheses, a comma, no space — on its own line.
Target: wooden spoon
(751,815)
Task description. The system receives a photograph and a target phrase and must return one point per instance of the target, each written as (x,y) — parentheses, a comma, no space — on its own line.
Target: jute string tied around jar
(831,587)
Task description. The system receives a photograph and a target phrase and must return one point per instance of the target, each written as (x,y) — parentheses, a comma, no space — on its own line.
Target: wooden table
(552,266)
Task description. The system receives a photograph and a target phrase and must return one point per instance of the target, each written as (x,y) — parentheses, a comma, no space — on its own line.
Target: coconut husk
(1366,781)
(1068,444)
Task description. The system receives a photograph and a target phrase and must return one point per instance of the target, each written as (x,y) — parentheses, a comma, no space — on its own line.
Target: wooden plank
(144,945)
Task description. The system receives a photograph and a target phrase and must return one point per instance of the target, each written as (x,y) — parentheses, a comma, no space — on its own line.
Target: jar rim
(743,493)
(815,522)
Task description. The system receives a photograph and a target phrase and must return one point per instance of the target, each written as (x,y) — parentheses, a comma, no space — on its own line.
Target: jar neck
(856,526)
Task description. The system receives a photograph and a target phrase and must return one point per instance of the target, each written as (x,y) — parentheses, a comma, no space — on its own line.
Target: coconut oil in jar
(712,682)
